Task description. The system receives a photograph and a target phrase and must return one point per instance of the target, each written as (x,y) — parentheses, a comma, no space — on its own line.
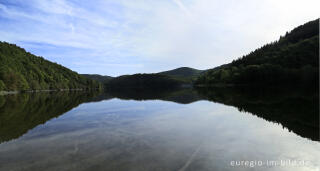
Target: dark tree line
(143,81)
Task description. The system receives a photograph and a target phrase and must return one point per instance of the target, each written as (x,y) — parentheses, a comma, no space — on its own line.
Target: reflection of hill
(182,96)
(296,110)
(100,97)
(22,112)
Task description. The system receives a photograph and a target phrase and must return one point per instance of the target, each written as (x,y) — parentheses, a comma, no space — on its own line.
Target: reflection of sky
(152,135)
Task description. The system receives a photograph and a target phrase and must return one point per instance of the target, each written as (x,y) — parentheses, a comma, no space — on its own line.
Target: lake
(183,130)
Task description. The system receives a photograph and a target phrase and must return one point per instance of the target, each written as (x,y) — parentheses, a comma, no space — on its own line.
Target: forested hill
(184,74)
(21,70)
(97,77)
(293,59)
(143,81)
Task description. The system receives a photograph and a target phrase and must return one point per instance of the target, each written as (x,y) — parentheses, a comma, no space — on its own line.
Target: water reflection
(296,109)
(114,134)
(182,96)
(22,112)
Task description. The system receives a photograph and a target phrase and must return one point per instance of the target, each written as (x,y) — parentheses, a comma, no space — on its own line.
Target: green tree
(2,85)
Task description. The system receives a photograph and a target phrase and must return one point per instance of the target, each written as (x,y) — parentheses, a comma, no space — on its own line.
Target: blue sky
(115,37)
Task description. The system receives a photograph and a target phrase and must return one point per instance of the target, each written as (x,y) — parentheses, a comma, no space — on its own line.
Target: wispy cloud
(182,7)
(120,36)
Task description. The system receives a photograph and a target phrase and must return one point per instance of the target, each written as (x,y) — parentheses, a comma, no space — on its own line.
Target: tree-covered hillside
(293,59)
(182,72)
(152,81)
(162,80)
(185,74)
(21,70)
(97,77)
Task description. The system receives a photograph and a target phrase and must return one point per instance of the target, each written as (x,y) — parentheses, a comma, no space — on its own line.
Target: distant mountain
(162,80)
(142,81)
(21,70)
(97,77)
(183,73)
(293,59)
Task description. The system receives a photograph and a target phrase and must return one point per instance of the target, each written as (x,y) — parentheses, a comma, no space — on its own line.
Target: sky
(116,37)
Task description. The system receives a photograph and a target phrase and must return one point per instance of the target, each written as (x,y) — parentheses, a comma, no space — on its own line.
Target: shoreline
(8,92)
(2,93)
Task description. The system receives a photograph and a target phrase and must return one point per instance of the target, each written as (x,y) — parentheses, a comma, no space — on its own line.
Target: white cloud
(220,31)
(171,33)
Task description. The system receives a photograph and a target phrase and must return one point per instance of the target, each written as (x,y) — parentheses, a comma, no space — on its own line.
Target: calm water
(180,130)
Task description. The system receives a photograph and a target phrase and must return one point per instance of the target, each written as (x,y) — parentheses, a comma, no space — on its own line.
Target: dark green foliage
(183,72)
(20,70)
(155,81)
(97,77)
(293,59)
(183,75)
(2,86)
